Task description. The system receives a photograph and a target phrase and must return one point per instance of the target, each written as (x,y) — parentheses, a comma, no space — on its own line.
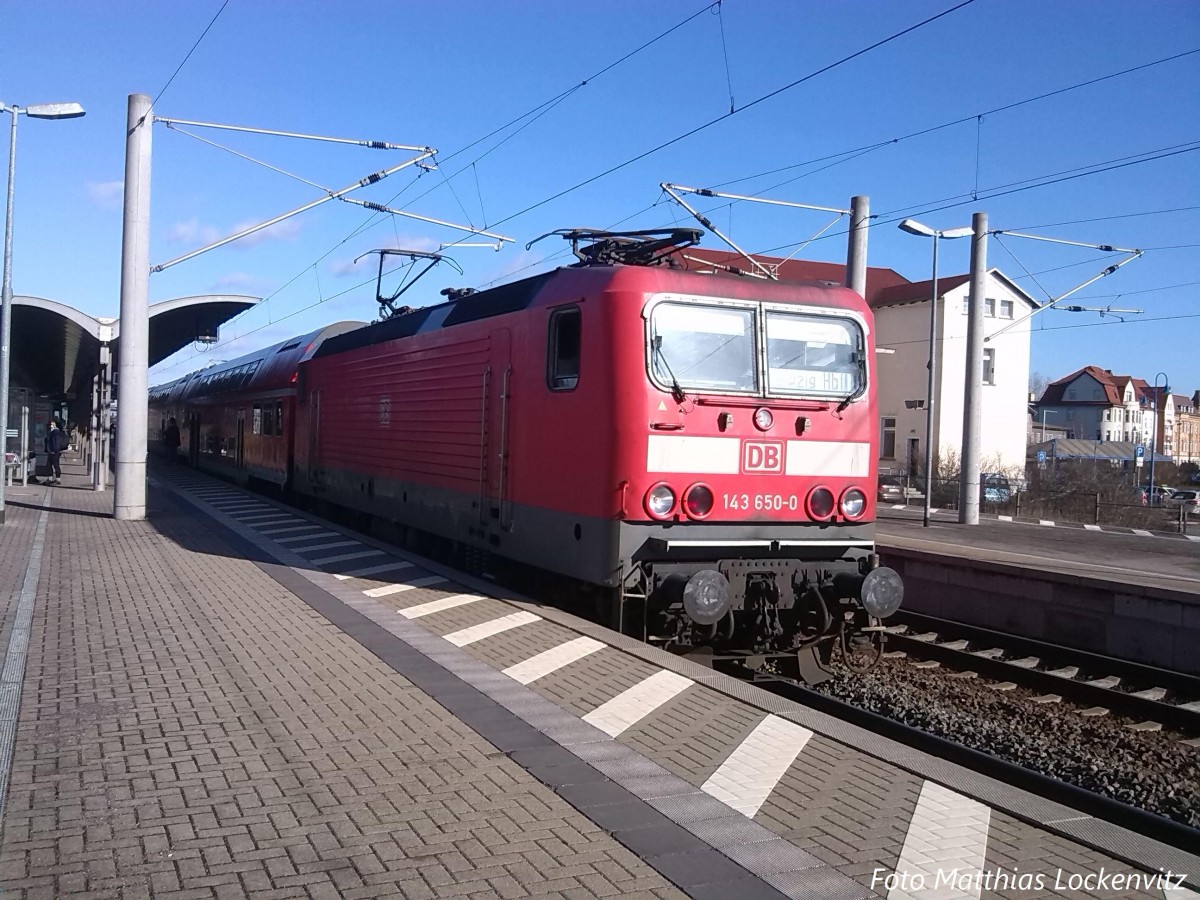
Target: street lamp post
(41,111)
(1045,413)
(912,226)
(1154,427)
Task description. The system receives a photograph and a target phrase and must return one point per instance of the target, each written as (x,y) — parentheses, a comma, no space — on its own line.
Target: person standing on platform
(171,439)
(56,443)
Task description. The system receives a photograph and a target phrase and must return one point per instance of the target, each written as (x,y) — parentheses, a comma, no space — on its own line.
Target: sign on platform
(1139,455)
(1041,457)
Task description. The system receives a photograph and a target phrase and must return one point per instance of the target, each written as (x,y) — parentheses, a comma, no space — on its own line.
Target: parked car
(892,490)
(1160,495)
(1188,500)
(996,487)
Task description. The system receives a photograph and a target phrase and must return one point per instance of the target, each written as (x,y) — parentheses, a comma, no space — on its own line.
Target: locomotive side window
(563,353)
(708,348)
(814,355)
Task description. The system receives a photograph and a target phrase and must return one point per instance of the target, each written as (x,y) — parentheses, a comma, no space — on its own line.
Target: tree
(1038,384)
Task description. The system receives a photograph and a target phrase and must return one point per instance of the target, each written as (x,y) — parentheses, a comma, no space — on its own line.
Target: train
(691,450)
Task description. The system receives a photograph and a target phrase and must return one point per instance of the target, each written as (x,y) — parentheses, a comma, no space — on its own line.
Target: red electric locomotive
(696,451)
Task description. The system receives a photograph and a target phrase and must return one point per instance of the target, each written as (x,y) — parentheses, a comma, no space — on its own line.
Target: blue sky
(446,74)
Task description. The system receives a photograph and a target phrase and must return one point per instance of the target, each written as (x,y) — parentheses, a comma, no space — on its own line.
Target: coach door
(240,450)
(194,439)
(496,508)
(314,437)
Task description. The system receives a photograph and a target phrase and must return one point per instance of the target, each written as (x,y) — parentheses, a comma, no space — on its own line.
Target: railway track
(1143,821)
(1150,697)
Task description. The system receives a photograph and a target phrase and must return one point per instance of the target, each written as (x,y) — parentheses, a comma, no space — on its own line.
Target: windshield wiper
(860,358)
(676,390)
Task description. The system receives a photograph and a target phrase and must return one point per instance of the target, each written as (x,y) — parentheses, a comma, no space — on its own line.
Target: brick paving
(189,728)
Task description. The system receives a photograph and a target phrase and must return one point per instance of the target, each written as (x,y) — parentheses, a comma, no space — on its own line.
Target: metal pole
(6,297)
(23,446)
(103,442)
(94,437)
(1043,426)
(856,250)
(129,495)
(968,489)
(931,386)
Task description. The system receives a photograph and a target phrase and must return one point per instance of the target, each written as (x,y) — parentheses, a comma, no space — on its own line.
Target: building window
(256,421)
(279,419)
(989,307)
(887,437)
(1006,309)
(562,370)
(989,366)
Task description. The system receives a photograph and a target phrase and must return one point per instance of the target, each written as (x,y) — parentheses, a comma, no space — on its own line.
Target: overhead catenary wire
(179,68)
(576,87)
(536,112)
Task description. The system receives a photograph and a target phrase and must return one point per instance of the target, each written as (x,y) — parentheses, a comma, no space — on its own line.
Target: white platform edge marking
(1141,532)
(1005,518)
(549,661)
(374,570)
(1092,527)
(345,557)
(487,629)
(267,532)
(748,775)
(304,537)
(425,609)
(948,832)
(388,589)
(1192,537)
(328,545)
(631,706)
(1046,522)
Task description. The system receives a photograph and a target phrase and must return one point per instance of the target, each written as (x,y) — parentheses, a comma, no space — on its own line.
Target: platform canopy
(55,347)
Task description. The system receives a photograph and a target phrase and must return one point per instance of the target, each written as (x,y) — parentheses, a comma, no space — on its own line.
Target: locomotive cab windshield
(733,347)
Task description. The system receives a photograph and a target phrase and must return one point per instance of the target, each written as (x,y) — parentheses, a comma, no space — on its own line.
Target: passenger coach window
(564,350)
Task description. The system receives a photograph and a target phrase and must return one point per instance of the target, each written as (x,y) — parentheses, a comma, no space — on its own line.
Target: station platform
(233,698)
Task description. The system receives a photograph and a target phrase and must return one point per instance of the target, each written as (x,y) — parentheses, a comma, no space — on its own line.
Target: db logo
(762,456)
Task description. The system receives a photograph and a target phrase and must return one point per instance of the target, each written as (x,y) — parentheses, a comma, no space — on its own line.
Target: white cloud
(287,230)
(106,194)
(192,232)
(243,281)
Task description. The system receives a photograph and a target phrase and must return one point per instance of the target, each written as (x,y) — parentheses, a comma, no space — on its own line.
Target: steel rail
(1119,701)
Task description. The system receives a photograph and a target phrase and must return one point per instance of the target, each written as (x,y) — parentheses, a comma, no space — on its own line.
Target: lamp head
(54,111)
(912,226)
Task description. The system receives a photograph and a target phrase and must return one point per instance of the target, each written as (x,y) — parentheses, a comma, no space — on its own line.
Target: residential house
(1187,427)
(1093,404)
(902,332)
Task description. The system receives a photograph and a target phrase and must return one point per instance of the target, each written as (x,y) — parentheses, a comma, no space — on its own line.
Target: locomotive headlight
(882,592)
(820,503)
(698,501)
(706,597)
(763,418)
(853,503)
(660,501)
